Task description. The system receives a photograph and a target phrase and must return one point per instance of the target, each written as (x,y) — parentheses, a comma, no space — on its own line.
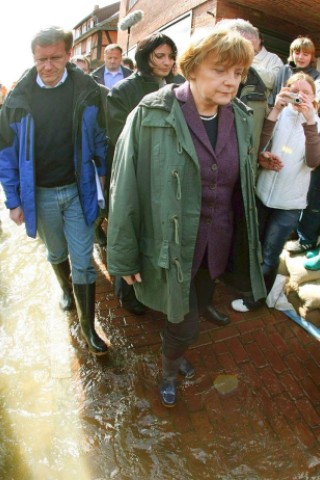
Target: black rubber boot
(168,388)
(63,274)
(85,303)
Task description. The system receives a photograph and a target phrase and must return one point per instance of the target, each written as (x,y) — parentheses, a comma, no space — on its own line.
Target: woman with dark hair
(155,57)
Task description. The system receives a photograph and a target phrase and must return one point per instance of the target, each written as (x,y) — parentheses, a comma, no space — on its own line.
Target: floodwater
(66,415)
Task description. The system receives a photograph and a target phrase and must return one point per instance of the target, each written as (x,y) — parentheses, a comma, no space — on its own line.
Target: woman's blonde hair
(229,48)
(306,45)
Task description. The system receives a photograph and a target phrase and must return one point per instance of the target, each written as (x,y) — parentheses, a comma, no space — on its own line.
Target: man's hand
(16,215)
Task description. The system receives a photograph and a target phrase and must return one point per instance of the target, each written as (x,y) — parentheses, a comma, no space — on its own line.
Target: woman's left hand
(306,107)
(270,161)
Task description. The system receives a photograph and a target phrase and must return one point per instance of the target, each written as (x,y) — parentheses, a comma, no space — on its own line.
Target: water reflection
(66,415)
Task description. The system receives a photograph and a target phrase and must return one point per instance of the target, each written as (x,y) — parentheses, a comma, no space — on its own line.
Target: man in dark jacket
(52,158)
(112,71)
(109,74)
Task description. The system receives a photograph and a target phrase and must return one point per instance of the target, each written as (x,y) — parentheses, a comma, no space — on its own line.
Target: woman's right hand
(131,279)
(282,99)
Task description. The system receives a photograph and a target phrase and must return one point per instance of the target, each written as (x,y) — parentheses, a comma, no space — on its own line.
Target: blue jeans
(275,226)
(62,228)
(309,223)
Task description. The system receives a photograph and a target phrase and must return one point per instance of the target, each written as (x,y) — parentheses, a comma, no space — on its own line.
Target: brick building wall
(279,24)
(157,14)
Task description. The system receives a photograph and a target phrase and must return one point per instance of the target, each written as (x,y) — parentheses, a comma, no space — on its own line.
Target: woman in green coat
(182,196)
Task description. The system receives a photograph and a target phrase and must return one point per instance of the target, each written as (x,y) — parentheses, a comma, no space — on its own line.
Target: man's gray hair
(113,46)
(51,36)
(244,27)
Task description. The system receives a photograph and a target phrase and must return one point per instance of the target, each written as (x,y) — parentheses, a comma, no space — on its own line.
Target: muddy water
(65,415)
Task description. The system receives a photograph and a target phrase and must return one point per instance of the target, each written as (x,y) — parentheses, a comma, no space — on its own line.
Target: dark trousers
(124,292)
(309,223)
(177,337)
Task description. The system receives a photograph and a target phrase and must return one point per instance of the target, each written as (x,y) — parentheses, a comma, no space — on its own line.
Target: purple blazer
(220,175)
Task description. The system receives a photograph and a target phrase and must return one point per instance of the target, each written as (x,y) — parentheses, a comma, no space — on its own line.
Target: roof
(101,14)
(304,14)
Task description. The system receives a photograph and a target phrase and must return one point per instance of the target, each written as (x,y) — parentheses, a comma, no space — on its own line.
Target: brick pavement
(273,413)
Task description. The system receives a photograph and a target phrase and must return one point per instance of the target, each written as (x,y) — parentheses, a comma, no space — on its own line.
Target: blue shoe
(312,263)
(186,369)
(312,253)
(168,393)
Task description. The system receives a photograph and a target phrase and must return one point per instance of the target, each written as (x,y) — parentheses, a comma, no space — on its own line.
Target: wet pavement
(252,412)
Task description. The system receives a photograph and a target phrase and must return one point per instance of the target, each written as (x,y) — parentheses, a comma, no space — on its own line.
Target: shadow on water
(66,415)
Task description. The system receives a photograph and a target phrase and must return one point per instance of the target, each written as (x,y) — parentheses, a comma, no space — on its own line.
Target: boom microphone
(130,20)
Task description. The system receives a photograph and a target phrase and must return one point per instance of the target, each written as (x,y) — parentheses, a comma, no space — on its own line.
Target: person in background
(291,132)
(308,228)
(52,140)
(182,195)
(155,56)
(302,58)
(312,261)
(177,77)
(265,63)
(256,89)
(112,71)
(109,75)
(128,63)
(82,62)
(3,94)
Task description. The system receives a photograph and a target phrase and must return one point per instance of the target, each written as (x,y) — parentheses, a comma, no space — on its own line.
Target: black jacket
(123,98)
(98,74)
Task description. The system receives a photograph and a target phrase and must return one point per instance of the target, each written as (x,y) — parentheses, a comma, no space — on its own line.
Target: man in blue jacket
(52,154)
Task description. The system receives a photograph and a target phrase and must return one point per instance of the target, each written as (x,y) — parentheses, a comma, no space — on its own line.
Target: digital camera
(294,98)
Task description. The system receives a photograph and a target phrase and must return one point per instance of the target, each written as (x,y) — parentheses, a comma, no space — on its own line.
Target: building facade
(279,21)
(94,32)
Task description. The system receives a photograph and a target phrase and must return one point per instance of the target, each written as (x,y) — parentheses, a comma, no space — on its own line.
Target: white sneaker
(239,306)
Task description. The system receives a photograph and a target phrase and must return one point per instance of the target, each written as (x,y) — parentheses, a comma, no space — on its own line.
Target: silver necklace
(208,119)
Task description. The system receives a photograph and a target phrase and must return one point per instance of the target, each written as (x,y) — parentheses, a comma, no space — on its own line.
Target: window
(179,31)
(88,45)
